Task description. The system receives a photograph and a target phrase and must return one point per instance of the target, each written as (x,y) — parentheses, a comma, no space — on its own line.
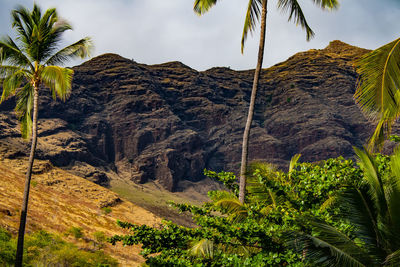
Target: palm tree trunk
(246,134)
(24,210)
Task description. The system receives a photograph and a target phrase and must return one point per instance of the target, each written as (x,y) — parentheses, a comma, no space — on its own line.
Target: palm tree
(26,64)
(378,90)
(373,209)
(255,9)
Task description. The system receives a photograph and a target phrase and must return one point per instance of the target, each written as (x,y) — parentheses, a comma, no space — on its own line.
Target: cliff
(168,122)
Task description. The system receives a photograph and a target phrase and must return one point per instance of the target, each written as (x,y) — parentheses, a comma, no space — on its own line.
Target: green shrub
(106,210)
(45,249)
(7,248)
(76,232)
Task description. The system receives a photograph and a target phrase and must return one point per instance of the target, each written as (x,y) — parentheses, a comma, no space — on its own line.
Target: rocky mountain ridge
(168,122)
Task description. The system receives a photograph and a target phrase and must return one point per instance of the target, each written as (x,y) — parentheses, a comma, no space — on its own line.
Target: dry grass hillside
(60,200)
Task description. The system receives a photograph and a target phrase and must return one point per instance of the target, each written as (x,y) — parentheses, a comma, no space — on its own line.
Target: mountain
(168,122)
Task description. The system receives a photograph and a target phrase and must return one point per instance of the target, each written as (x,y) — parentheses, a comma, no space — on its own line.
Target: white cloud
(156,31)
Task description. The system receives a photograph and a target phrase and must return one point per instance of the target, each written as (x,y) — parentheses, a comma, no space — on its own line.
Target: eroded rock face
(169,122)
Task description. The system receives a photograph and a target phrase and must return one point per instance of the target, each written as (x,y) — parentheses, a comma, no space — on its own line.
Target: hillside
(60,200)
(166,123)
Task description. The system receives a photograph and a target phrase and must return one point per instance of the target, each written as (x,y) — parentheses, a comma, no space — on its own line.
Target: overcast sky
(158,31)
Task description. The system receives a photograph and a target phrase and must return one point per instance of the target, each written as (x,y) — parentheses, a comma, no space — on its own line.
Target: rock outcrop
(169,122)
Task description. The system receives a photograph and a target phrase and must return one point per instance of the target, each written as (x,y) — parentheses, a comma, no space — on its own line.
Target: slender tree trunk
(246,134)
(24,210)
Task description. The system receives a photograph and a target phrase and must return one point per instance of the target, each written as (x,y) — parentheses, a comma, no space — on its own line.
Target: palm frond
(331,200)
(373,178)
(23,23)
(202,6)
(23,109)
(377,92)
(203,248)
(393,259)
(81,49)
(52,39)
(59,80)
(229,204)
(392,191)
(330,4)
(381,133)
(296,13)
(12,54)
(329,248)
(12,81)
(7,70)
(357,207)
(251,19)
(293,161)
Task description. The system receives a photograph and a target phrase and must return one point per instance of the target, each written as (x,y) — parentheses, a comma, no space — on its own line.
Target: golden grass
(60,200)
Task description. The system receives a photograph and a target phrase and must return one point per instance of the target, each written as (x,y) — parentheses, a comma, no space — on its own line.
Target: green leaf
(377,92)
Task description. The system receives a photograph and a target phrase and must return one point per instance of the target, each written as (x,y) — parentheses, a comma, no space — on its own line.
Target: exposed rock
(111,202)
(169,122)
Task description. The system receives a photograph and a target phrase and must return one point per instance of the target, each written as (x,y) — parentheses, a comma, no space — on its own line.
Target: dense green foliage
(45,249)
(372,208)
(255,233)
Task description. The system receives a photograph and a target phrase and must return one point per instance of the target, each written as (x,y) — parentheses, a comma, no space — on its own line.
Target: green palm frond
(229,204)
(292,164)
(330,4)
(329,248)
(12,54)
(251,19)
(203,248)
(296,14)
(202,6)
(23,109)
(12,82)
(357,207)
(377,92)
(392,192)
(393,259)
(331,200)
(293,161)
(59,80)
(373,178)
(23,23)
(6,70)
(81,49)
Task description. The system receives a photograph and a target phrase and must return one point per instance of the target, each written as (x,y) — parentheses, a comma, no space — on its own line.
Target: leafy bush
(230,233)
(76,232)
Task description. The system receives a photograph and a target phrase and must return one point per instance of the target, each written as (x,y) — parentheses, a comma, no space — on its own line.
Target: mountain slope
(168,122)
(60,200)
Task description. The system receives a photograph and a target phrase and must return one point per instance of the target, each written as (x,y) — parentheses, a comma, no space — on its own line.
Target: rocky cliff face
(169,122)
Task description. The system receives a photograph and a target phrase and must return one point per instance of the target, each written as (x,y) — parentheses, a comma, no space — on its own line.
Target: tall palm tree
(373,209)
(255,9)
(378,90)
(28,63)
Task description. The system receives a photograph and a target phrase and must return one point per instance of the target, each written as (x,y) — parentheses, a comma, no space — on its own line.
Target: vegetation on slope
(45,249)
(61,201)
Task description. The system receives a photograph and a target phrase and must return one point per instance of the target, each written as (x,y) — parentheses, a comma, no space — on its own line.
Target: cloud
(154,31)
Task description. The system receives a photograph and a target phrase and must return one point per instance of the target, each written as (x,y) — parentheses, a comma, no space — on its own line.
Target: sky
(159,31)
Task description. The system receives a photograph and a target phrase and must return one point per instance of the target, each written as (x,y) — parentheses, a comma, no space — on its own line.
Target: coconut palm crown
(257,9)
(254,9)
(28,63)
(31,60)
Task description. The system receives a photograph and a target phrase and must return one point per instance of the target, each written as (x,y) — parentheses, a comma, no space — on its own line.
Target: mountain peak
(339,47)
